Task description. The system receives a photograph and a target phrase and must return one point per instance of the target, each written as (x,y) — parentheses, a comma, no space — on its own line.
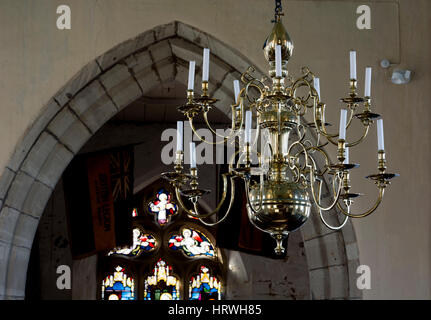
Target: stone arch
(96,93)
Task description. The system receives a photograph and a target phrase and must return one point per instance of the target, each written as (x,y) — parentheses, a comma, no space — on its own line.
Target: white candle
(206,65)
(247,126)
(284,144)
(236,90)
(367,92)
(380,136)
(346,155)
(192,155)
(316,84)
(352,64)
(180,133)
(191,75)
(278,61)
(343,122)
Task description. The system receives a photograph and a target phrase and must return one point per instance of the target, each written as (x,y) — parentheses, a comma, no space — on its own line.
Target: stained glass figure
(162,284)
(163,207)
(204,286)
(193,243)
(142,242)
(118,286)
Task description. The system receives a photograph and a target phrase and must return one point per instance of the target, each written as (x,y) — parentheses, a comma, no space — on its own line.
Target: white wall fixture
(398,76)
(401,76)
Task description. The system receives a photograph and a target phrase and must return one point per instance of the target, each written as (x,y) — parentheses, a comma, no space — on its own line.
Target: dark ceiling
(159,106)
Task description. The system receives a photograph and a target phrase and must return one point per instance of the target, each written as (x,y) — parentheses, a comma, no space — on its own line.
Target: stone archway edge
(100,90)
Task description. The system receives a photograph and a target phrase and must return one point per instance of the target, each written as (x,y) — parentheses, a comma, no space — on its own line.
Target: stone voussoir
(33,134)
(35,202)
(17,271)
(56,162)
(93,106)
(79,81)
(325,251)
(121,85)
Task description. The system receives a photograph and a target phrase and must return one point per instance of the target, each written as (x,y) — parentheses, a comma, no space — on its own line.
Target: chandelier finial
(278,36)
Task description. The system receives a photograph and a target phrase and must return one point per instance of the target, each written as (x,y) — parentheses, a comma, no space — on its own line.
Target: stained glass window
(204,286)
(162,207)
(166,240)
(118,286)
(142,242)
(193,243)
(162,284)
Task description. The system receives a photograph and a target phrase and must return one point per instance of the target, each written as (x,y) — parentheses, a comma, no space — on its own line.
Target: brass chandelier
(287,179)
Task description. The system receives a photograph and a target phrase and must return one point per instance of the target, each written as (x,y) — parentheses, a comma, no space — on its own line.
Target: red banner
(102,202)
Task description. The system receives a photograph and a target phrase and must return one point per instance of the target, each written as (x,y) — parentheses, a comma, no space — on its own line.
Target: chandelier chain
(278,11)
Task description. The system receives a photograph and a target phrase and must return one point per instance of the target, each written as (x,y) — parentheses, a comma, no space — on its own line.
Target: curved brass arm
(211,224)
(368,212)
(202,139)
(195,213)
(234,132)
(247,192)
(302,101)
(326,157)
(180,201)
(232,159)
(217,209)
(312,177)
(323,152)
(351,144)
(321,129)
(317,201)
(251,81)
(321,214)
(364,135)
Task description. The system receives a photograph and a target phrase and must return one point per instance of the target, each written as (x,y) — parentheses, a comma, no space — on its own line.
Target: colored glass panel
(142,242)
(162,284)
(118,286)
(204,286)
(193,243)
(162,207)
